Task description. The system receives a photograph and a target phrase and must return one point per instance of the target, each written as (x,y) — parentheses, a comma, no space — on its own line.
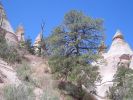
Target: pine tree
(73,47)
(122,88)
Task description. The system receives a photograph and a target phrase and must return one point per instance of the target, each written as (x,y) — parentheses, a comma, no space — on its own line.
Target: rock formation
(4,21)
(16,38)
(131,65)
(119,53)
(20,33)
(102,48)
(37,44)
(7,28)
(7,74)
(119,46)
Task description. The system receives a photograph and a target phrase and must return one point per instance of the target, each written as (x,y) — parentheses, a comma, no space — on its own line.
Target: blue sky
(117,14)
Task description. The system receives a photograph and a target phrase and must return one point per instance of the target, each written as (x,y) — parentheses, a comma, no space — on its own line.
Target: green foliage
(8,53)
(78,34)
(24,73)
(20,92)
(73,47)
(122,88)
(49,90)
(22,44)
(44,50)
(74,69)
(73,90)
(28,45)
(48,95)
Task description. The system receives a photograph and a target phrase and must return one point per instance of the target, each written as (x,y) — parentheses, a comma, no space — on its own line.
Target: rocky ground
(44,83)
(41,71)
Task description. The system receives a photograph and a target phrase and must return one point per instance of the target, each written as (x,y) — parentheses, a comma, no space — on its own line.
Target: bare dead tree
(1,15)
(42,27)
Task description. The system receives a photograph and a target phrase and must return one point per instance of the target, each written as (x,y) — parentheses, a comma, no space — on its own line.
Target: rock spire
(119,53)
(37,43)
(118,35)
(102,48)
(7,29)
(38,40)
(119,46)
(20,33)
(4,23)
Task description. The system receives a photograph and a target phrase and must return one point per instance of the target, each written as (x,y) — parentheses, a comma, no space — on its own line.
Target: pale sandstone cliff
(7,74)
(112,59)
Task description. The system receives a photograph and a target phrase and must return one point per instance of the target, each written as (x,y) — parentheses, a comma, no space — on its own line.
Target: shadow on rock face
(1,81)
(74,91)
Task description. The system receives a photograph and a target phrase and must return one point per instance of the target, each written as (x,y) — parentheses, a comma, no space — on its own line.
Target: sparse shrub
(39,82)
(8,53)
(21,92)
(49,95)
(24,72)
(13,55)
(122,88)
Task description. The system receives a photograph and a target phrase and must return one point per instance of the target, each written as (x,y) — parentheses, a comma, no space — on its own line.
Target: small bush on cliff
(28,45)
(24,72)
(122,88)
(8,53)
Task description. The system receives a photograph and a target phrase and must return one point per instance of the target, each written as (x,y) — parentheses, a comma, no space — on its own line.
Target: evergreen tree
(122,88)
(73,47)
(7,52)
(28,45)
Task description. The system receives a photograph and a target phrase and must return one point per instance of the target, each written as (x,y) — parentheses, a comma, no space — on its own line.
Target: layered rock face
(119,46)
(119,53)
(4,21)
(131,65)
(7,28)
(15,38)
(37,43)
(20,33)
(7,74)
(11,39)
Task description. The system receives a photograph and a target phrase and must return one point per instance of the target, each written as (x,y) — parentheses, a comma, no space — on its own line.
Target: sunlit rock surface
(4,21)
(6,28)
(7,74)
(131,65)
(109,64)
(119,46)
(37,43)
(20,33)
